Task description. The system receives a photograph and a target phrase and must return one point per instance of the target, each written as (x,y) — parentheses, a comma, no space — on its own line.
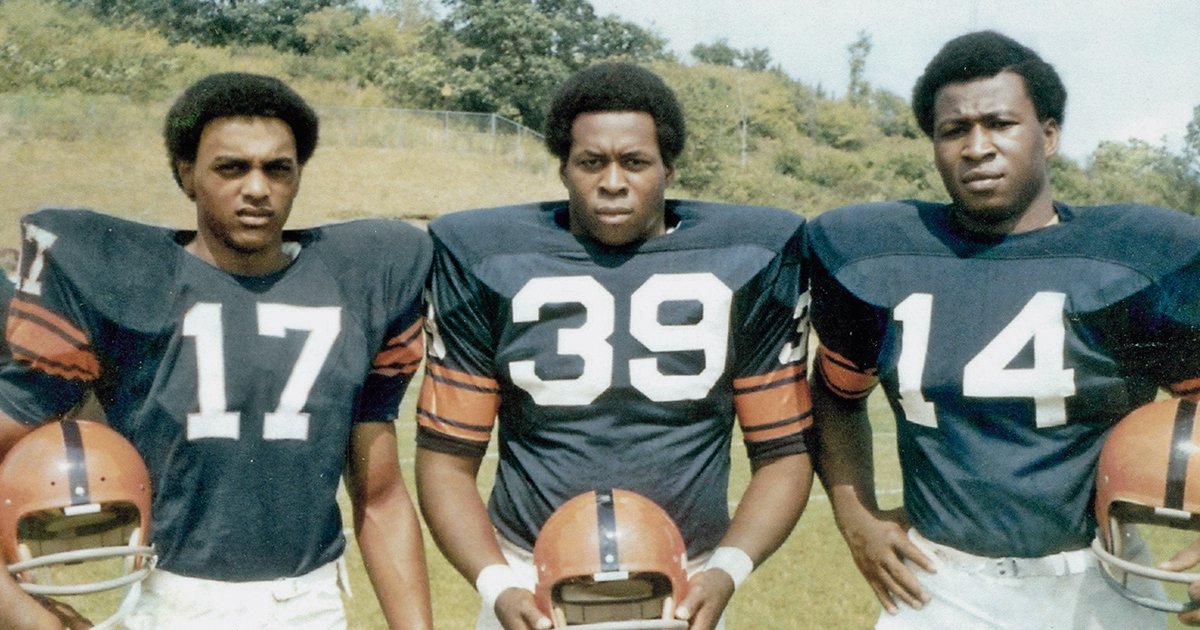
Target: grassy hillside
(61,156)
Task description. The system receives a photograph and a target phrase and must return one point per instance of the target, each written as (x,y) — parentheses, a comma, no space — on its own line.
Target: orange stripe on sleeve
(457,404)
(49,343)
(1186,389)
(842,376)
(773,405)
(401,354)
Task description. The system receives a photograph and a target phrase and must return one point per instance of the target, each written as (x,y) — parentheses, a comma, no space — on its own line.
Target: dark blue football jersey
(1006,360)
(239,392)
(616,367)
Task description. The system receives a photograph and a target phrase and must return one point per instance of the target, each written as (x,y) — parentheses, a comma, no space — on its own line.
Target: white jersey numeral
(288,421)
(988,374)
(709,335)
(589,341)
(31,281)
(1047,382)
(324,324)
(214,420)
(797,349)
(915,313)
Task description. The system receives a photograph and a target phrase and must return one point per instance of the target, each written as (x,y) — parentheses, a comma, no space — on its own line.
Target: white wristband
(733,561)
(495,579)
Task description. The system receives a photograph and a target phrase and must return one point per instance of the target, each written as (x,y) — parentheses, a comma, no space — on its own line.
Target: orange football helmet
(71,492)
(1147,474)
(610,559)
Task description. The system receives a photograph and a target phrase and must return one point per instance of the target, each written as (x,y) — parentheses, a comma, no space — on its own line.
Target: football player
(615,333)
(1010,332)
(250,366)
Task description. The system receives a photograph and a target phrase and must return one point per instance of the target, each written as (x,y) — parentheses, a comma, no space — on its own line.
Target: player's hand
(516,610)
(879,544)
(1182,561)
(67,617)
(708,593)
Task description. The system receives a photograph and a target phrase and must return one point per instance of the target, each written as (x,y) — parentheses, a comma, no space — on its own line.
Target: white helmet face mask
(610,560)
(76,493)
(1146,477)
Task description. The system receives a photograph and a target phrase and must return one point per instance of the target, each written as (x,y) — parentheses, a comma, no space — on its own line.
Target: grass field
(810,583)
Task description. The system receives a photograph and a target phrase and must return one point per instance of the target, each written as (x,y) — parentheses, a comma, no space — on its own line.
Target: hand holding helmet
(1146,475)
(74,492)
(610,560)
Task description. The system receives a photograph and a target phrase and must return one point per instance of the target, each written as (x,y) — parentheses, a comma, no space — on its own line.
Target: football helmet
(608,560)
(71,492)
(1147,474)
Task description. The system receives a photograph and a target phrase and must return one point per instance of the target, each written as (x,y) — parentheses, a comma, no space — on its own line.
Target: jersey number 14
(987,375)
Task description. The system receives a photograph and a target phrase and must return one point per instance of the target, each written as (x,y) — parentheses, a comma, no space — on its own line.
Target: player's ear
(670,174)
(187,177)
(1050,136)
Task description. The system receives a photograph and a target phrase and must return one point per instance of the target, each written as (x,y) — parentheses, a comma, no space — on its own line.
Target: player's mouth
(255,217)
(613,215)
(981,181)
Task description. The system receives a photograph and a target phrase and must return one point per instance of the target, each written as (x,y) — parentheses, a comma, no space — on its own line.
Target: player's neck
(1038,214)
(258,263)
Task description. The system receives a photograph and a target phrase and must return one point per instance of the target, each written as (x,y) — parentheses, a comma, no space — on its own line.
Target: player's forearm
(770,507)
(387,529)
(389,536)
(455,513)
(842,453)
(19,611)
(10,432)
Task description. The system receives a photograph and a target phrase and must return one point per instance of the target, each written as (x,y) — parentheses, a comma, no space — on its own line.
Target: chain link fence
(68,118)
(467,132)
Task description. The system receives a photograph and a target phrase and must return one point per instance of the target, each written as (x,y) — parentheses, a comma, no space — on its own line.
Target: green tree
(755,59)
(1137,171)
(893,115)
(859,90)
(718,53)
(512,53)
(273,23)
(332,31)
(1191,143)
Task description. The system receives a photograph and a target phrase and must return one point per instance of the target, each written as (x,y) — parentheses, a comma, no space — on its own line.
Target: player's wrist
(733,561)
(494,579)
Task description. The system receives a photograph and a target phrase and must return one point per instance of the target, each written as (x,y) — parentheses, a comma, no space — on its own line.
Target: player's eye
(635,163)
(952,130)
(590,163)
(230,169)
(279,169)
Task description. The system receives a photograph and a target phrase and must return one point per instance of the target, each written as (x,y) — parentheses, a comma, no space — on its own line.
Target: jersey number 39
(709,335)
